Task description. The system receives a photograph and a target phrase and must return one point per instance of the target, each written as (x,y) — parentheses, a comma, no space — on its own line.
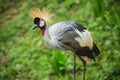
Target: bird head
(41,17)
(39,23)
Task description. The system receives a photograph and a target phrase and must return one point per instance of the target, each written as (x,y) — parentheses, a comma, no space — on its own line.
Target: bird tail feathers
(96,50)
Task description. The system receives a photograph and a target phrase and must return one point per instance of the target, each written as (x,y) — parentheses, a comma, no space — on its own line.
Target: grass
(25,56)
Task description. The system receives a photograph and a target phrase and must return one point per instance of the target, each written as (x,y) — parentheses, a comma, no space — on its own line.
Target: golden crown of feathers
(44,14)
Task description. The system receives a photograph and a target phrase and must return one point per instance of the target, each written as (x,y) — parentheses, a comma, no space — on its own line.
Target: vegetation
(25,56)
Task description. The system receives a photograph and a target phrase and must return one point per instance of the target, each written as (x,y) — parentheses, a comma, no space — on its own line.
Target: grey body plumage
(63,32)
(62,36)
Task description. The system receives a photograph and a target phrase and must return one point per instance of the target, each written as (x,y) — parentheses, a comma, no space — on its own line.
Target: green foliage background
(25,56)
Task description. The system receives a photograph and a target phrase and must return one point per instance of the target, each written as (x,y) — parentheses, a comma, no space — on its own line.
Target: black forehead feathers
(36,20)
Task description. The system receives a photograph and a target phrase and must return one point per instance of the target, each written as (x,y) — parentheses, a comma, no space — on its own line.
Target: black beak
(35,26)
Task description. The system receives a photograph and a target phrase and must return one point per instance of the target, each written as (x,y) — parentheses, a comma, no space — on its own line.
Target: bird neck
(50,40)
(47,36)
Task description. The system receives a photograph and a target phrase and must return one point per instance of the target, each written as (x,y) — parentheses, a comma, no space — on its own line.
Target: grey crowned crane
(67,36)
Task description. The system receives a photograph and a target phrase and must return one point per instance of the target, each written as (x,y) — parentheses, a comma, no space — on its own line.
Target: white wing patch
(84,38)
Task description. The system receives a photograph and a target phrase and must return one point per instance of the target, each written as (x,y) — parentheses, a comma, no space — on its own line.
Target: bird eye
(42,23)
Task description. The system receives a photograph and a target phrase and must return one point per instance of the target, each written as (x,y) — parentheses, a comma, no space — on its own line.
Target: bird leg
(84,67)
(74,68)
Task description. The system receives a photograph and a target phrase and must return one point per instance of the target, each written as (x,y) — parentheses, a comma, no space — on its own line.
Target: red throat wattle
(42,31)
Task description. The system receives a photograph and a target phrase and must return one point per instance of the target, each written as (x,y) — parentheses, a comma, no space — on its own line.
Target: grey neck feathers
(51,41)
(46,36)
(48,39)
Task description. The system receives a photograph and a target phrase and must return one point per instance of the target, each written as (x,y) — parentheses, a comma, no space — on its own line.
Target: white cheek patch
(84,38)
(42,23)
